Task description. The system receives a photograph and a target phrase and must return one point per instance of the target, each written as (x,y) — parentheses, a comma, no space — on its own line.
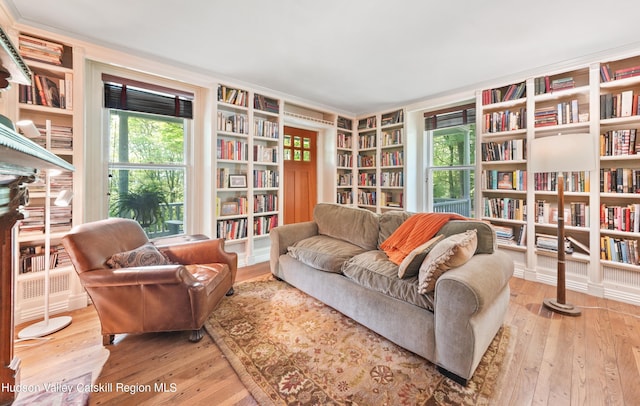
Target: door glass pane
(306,143)
(296,155)
(306,156)
(297,142)
(287,140)
(287,154)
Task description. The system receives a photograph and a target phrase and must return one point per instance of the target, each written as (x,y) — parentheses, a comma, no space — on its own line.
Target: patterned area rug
(289,348)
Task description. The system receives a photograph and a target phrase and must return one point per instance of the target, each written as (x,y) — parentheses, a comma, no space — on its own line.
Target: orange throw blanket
(415,231)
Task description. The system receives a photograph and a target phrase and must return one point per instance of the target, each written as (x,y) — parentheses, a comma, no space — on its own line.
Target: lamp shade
(28,128)
(562,153)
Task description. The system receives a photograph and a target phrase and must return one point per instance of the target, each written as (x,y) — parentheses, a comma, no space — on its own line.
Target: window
(147,164)
(451,144)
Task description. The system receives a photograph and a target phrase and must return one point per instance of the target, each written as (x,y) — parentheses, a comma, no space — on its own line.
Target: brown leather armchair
(150,298)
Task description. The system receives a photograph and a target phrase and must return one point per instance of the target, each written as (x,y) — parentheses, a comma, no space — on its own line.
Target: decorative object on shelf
(48,325)
(238,181)
(562,153)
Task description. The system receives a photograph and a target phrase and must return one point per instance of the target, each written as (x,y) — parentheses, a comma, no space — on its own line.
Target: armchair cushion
(146,255)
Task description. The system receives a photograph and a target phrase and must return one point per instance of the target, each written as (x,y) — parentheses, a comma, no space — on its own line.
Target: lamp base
(45,327)
(562,308)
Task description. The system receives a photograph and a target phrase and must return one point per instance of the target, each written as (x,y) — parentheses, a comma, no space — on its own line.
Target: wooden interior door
(300,189)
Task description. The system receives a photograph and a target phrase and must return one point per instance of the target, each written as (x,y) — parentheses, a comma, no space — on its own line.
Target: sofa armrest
(143,275)
(469,306)
(206,251)
(283,237)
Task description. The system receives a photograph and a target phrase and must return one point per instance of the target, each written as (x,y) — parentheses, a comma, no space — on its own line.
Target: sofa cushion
(449,253)
(373,270)
(487,243)
(410,265)
(324,252)
(389,222)
(351,224)
(146,255)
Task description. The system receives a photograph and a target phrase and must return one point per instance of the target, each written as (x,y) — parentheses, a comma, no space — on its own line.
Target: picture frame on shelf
(229,209)
(237,181)
(505,180)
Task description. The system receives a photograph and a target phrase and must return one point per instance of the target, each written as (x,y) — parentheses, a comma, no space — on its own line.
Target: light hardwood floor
(593,359)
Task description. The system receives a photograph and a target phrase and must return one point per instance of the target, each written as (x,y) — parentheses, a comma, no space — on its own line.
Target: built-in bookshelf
(247,168)
(345,161)
(601,209)
(619,170)
(380,161)
(49,103)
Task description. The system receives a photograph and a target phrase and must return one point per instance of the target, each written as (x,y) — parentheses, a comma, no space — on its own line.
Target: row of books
(265,203)
(562,113)
(391,138)
(366,179)
(61,137)
(573,181)
(344,141)
(235,123)
(365,123)
(48,91)
(504,208)
(508,150)
(392,158)
(621,250)
(265,178)
(366,161)
(266,128)
(619,180)
(494,179)
(263,153)
(344,123)
(41,50)
(367,198)
(511,92)
(392,179)
(264,224)
(232,229)
(366,141)
(233,150)
(232,96)
(266,104)
(545,84)
(345,179)
(548,242)
(507,120)
(606,75)
(508,235)
(575,213)
(345,160)
(344,197)
(620,218)
(394,117)
(619,142)
(623,104)
(34,221)
(32,258)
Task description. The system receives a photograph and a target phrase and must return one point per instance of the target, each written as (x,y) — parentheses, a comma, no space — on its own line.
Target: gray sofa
(451,326)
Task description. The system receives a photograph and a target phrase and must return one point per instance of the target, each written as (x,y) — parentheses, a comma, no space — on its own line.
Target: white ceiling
(353,55)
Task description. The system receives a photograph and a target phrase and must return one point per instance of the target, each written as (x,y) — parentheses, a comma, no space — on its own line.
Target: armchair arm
(202,252)
(143,275)
(283,237)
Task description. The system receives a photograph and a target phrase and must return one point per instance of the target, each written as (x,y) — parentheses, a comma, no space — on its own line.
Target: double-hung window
(451,144)
(148,128)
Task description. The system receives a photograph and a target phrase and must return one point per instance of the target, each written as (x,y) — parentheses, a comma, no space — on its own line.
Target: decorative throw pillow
(411,263)
(145,255)
(449,253)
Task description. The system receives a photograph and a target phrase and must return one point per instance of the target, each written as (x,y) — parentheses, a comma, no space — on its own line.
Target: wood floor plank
(593,359)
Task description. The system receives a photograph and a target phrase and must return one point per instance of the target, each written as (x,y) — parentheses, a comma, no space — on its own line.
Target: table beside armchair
(171,291)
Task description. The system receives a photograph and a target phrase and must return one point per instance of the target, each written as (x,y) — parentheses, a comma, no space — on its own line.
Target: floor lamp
(562,153)
(47,325)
